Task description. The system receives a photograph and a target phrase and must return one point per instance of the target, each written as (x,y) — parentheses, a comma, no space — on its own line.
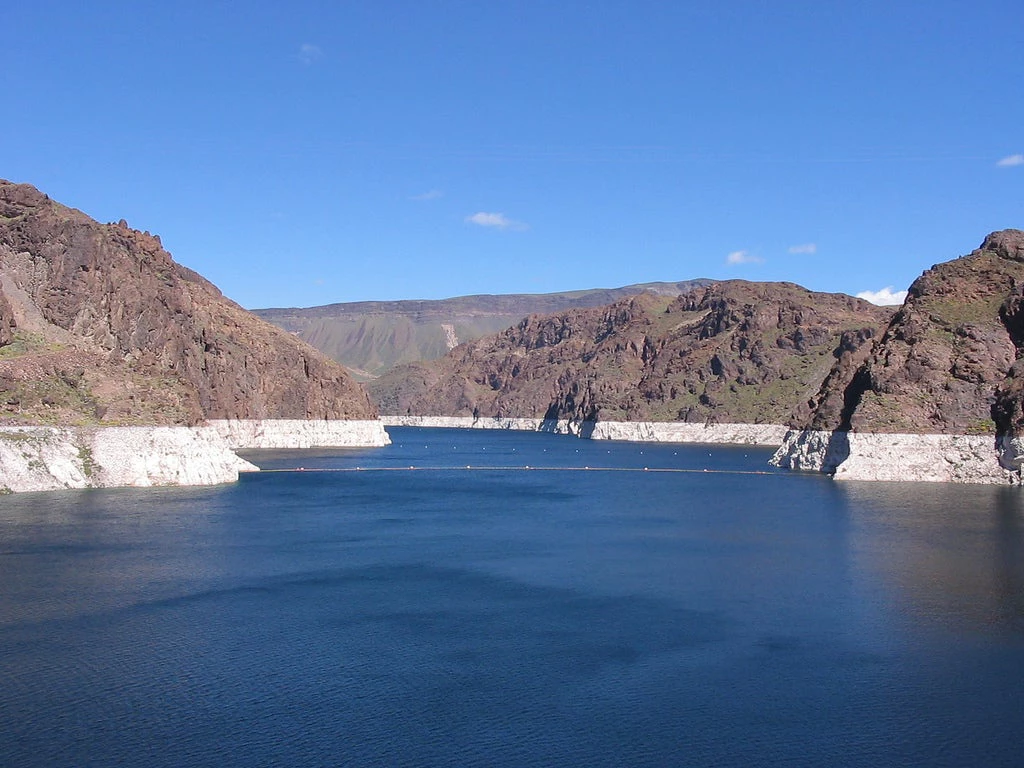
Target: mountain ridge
(731,351)
(371,337)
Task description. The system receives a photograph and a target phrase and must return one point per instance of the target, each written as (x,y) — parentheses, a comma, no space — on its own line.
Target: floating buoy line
(523,468)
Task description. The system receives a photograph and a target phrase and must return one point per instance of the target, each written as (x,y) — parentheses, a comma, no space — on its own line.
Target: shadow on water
(1008,533)
(954,552)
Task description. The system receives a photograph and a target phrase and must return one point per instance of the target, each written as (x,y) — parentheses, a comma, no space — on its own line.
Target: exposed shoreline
(36,458)
(983,459)
(637,431)
(843,455)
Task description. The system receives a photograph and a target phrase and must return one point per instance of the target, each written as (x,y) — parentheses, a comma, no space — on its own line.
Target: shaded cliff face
(730,352)
(949,361)
(110,329)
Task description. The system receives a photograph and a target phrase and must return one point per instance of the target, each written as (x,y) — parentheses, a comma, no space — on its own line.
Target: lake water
(513,617)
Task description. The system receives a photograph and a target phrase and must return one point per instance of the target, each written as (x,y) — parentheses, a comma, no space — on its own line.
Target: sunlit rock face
(734,352)
(53,458)
(941,395)
(101,326)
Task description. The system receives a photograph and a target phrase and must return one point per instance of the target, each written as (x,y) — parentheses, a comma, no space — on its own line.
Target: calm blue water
(514,617)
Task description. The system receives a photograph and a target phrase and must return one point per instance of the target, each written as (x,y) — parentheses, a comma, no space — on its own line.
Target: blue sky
(311,152)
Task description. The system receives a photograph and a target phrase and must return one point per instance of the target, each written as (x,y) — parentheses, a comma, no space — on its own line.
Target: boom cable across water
(523,468)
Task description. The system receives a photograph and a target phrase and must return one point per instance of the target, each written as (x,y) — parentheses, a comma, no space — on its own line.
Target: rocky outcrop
(112,331)
(940,397)
(147,456)
(896,457)
(51,458)
(946,351)
(732,352)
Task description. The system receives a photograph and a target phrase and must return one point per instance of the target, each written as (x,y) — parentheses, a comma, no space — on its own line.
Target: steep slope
(949,361)
(941,396)
(371,337)
(729,352)
(98,325)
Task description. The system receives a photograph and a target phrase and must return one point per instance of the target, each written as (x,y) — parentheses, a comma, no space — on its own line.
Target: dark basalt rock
(158,342)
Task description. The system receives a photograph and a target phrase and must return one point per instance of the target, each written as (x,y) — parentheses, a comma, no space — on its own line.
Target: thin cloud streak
(1010,161)
(805,248)
(432,194)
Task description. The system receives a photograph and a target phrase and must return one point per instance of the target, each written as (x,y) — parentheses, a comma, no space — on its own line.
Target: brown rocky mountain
(99,325)
(950,361)
(371,337)
(731,352)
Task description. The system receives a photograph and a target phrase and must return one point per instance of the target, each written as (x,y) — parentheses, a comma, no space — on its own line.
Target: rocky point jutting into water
(99,327)
(732,352)
(940,396)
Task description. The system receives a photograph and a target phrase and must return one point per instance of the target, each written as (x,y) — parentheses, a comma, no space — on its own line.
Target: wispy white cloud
(807,248)
(432,194)
(495,220)
(309,53)
(1011,160)
(743,257)
(886,297)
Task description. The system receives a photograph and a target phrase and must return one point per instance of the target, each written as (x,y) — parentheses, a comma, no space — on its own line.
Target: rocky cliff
(729,352)
(98,325)
(950,363)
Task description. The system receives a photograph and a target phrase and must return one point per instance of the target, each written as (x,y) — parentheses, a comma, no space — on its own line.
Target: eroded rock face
(7,322)
(117,332)
(948,363)
(734,352)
